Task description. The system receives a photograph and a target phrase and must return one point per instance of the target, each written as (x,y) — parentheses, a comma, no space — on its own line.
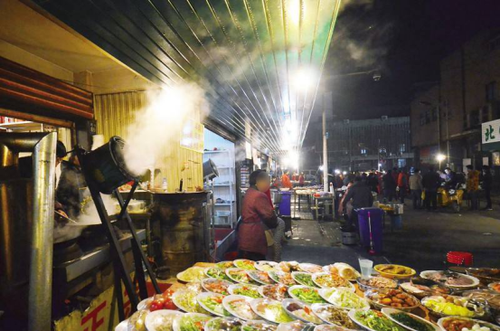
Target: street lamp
(440,158)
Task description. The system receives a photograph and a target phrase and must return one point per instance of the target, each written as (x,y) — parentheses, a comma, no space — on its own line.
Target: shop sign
(490,132)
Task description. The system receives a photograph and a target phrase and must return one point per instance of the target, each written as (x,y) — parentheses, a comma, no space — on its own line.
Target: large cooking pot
(107,167)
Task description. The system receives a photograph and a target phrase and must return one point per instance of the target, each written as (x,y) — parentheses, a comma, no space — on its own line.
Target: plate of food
(238,275)
(492,298)
(303,278)
(251,291)
(287,266)
(462,323)
(344,270)
(495,287)
(145,304)
(274,291)
(444,306)
(329,327)
(344,298)
(409,321)
(217,273)
(261,277)
(394,271)
(212,302)
(295,326)
(333,315)
(258,326)
(421,287)
(310,267)
(329,280)
(185,299)
(244,264)
(392,299)
(376,282)
(265,265)
(223,324)
(270,310)
(305,294)
(190,322)
(224,265)
(373,320)
(281,277)
(300,311)
(216,285)
(239,306)
(136,322)
(485,275)
(193,274)
(161,320)
(451,279)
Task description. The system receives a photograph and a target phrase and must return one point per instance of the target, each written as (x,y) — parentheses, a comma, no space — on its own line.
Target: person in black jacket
(360,196)
(486,180)
(389,186)
(431,183)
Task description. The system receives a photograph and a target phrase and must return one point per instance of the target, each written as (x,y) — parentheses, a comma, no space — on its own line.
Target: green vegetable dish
(411,322)
(246,290)
(217,273)
(191,322)
(223,324)
(305,294)
(374,320)
(212,303)
(303,278)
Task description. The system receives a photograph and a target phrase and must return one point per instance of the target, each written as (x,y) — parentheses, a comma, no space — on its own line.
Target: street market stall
(264,295)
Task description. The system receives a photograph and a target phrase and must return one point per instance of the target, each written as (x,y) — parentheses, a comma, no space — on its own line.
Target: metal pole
(40,293)
(325,149)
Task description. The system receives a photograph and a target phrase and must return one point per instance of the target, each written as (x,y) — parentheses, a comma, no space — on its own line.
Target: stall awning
(25,89)
(260,62)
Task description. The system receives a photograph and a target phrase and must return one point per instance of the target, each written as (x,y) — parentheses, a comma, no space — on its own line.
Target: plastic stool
(460,258)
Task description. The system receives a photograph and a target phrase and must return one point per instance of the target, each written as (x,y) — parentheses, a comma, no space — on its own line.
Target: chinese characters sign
(490,132)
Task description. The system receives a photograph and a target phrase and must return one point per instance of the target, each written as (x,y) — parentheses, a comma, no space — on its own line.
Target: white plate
(330,327)
(295,326)
(389,311)
(261,290)
(292,288)
(277,279)
(265,265)
(285,303)
(221,264)
(317,306)
(326,293)
(144,303)
(205,283)
(310,267)
(176,298)
(319,274)
(352,314)
(122,326)
(345,266)
(269,316)
(489,325)
(235,287)
(251,274)
(204,295)
(245,267)
(475,282)
(231,298)
(228,273)
(259,324)
(155,318)
(199,317)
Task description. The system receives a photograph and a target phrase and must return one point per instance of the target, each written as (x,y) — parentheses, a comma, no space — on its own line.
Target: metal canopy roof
(259,61)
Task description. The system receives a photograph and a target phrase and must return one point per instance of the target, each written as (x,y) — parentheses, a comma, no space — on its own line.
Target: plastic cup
(366,267)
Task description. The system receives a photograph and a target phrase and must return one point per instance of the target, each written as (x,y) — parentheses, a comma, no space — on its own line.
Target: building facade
(446,117)
(360,145)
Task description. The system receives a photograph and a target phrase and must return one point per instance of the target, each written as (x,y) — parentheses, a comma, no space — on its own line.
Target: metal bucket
(183,228)
(107,166)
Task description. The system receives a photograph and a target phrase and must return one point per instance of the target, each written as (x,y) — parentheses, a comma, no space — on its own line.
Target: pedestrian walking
(416,189)
(402,185)
(473,187)
(430,183)
(389,186)
(486,181)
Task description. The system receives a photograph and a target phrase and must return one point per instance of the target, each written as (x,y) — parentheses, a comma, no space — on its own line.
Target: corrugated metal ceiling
(259,61)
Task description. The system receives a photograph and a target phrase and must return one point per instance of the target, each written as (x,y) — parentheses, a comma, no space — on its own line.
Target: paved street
(423,241)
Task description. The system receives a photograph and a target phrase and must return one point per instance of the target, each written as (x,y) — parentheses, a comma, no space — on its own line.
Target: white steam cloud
(161,123)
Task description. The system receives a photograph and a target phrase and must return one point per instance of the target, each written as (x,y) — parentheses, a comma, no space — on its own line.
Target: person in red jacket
(402,185)
(285,180)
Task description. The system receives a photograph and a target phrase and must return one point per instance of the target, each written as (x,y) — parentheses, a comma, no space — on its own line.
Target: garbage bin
(285,203)
(376,217)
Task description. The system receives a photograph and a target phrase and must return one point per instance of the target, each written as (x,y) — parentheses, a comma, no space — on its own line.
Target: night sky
(406,39)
